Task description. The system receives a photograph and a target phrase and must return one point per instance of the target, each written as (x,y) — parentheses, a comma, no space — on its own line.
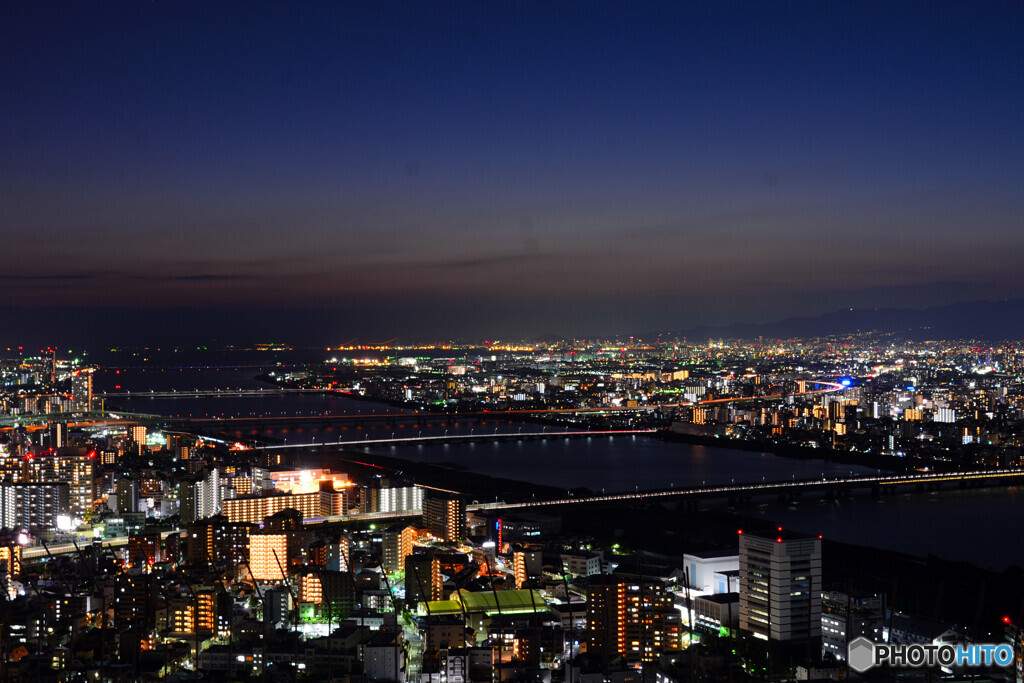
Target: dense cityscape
(452,341)
(174,533)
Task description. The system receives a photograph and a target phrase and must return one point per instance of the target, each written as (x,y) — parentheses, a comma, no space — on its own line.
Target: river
(957,525)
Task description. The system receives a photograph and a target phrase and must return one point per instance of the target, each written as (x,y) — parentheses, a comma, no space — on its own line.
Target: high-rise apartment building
(81,390)
(606,616)
(202,497)
(256,508)
(392,499)
(527,563)
(268,556)
(73,466)
(398,541)
(215,539)
(127,495)
(33,505)
(445,517)
(58,433)
(629,618)
(423,578)
(136,439)
(780,586)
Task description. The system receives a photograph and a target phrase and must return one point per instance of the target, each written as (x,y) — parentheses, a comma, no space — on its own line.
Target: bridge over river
(884,484)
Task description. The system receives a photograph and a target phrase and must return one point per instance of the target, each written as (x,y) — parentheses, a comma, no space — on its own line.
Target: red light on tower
(778,540)
(739,531)
(780,528)
(1006,620)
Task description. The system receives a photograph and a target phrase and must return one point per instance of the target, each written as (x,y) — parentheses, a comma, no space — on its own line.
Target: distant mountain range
(982,320)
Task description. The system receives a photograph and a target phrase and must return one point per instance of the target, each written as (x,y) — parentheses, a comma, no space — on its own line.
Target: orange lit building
(445,517)
(398,542)
(268,556)
(311,589)
(255,509)
(638,622)
(190,615)
(308,481)
(10,558)
(422,578)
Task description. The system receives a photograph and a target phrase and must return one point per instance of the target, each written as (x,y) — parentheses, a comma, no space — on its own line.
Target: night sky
(374,169)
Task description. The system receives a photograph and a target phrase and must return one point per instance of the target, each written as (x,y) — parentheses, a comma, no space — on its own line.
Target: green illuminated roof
(510,602)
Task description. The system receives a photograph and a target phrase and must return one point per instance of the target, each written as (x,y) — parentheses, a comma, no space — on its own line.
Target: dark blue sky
(508,168)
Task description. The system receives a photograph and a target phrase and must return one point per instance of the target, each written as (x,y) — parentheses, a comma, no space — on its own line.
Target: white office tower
(780,585)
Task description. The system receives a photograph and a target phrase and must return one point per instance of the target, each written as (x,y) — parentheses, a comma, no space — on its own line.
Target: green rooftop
(509,602)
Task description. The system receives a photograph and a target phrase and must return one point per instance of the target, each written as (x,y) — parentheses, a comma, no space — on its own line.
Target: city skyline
(507,169)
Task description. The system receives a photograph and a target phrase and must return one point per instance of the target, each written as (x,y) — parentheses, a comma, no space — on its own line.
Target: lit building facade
(445,517)
(256,509)
(73,466)
(268,556)
(780,585)
(398,542)
(627,618)
(392,499)
(422,578)
(34,506)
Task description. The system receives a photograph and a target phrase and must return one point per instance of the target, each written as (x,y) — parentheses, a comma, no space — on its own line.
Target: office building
(701,570)
(717,613)
(780,586)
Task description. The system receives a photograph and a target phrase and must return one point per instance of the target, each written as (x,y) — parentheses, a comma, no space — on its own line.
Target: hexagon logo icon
(861,654)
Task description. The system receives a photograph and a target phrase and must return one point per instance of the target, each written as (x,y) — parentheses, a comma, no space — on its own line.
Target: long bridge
(408,414)
(880,484)
(210,393)
(461,438)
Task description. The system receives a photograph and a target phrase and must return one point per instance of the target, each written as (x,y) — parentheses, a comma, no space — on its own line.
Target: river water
(952,524)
